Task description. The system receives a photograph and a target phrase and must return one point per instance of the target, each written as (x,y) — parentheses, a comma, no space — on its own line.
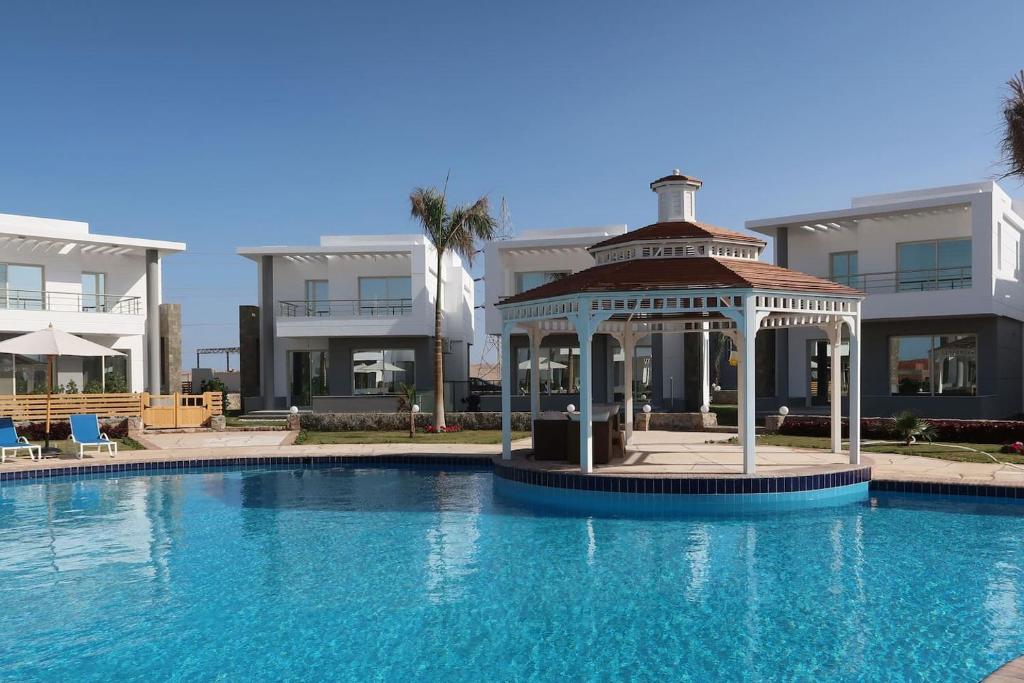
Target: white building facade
(104,288)
(344,324)
(942,321)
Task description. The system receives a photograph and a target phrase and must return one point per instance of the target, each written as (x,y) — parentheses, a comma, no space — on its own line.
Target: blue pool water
(405,574)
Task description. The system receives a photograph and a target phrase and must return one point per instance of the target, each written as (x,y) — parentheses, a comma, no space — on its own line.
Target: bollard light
(294,410)
(570,408)
(705,408)
(783,411)
(415,408)
(647,407)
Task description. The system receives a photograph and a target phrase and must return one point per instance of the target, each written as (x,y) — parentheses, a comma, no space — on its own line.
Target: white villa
(943,321)
(343,324)
(104,288)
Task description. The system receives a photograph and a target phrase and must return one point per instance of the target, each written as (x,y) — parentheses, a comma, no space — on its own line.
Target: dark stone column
(170,347)
(249,350)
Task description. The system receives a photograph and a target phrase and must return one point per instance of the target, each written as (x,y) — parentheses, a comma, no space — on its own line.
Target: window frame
(517,277)
(935,267)
(99,296)
(932,337)
(849,278)
(381,351)
(4,289)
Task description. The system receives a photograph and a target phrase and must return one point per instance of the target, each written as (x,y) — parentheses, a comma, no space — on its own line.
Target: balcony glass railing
(346,308)
(33,300)
(927,280)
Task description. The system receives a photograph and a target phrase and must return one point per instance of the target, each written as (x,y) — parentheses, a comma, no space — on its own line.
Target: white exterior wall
(536,250)
(34,241)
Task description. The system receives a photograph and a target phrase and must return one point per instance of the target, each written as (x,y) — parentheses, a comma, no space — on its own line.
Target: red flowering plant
(450,429)
(1016,448)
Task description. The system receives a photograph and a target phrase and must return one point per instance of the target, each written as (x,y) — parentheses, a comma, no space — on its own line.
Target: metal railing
(346,308)
(34,300)
(923,280)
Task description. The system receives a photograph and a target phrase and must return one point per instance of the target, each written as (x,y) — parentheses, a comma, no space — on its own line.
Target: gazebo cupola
(677,234)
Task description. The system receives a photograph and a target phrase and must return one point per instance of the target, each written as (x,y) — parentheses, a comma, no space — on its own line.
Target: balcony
(346,308)
(69,302)
(890,282)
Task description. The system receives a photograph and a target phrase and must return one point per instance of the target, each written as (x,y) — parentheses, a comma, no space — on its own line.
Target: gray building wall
(999,368)
(339,360)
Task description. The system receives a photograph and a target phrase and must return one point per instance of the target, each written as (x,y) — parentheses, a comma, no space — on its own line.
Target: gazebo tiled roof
(683,273)
(667,230)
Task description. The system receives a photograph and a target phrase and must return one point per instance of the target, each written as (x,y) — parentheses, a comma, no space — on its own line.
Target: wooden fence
(176,410)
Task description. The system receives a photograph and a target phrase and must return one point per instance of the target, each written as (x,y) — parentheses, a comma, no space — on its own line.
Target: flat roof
(35,231)
(340,245)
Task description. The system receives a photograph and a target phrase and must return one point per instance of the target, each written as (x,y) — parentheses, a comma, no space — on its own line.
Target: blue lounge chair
(10,441)
(85,431)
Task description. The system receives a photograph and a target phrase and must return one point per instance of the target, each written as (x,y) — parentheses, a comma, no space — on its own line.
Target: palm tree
(909,427)
(407,403)
(457,230)
(1013,136)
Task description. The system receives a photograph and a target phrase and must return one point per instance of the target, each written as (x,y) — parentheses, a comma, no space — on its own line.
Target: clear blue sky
(225,124)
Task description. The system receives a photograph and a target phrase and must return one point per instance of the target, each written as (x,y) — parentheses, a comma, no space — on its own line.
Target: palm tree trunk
(438,350)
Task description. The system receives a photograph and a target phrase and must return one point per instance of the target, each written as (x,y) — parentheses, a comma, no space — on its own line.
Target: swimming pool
(391,573)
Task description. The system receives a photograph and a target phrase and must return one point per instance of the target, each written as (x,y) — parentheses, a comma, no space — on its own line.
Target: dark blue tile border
(682,485)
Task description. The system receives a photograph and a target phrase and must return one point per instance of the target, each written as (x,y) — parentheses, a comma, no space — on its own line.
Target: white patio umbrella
(51,343)
(544,364)
(379,366)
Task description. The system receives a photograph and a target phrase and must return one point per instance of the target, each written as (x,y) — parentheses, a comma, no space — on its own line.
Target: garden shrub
(115,428)
(966,431)
(394,422)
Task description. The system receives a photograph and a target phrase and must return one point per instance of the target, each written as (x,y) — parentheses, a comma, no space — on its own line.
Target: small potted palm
(909,428)
(407,402)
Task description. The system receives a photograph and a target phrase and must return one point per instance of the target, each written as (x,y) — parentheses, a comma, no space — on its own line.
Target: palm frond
(429,207)
(471,224)
(1012,144)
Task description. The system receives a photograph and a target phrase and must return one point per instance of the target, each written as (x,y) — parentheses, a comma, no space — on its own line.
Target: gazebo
(679,276)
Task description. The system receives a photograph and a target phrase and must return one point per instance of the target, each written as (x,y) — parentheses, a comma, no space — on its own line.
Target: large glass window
(530,280)
(385,295)
(559,369)
(843,268)
(939,264)
(642,369)
(21,287)
(383,371)
(94,292)
(943,365)
(307,376)
(317,298)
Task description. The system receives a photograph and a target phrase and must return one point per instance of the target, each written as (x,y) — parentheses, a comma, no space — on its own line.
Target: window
(842,268)
(21,287)
(642,369)
(385,295)
(939,264)
(559,369)
(532,279)
(317,298)
(942,365)
(383,371)
(94,292)
(307,376)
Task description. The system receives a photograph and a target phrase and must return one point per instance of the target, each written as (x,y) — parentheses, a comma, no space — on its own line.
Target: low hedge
(115,428)
(966,431)
(726,413)
(394,422)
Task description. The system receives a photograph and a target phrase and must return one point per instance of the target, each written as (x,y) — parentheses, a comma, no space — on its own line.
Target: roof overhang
(57,243)
(317,253)
(845,219)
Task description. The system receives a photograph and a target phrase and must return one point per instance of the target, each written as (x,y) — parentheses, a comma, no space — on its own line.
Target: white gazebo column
(628,344)
(855,388)
(705,366)
(536,336)
(747,410)
(586,338)
(507,376)
(834,332)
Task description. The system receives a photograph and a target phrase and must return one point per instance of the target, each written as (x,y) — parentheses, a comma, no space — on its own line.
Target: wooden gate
(180,410)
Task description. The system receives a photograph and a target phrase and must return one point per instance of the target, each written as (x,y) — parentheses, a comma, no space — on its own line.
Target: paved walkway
(652,452)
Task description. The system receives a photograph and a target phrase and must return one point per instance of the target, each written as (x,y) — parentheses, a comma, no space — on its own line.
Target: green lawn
(482,436)
(951,451)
